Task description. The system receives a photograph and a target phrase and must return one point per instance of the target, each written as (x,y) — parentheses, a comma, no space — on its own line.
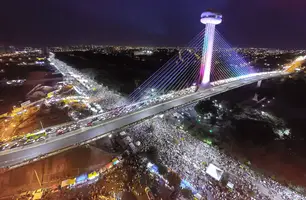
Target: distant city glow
(301,58)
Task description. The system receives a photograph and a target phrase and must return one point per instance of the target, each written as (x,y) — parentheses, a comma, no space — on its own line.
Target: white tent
(214,172)
(230,185)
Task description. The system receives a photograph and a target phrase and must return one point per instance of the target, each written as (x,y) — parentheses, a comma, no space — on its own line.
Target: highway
(21,154)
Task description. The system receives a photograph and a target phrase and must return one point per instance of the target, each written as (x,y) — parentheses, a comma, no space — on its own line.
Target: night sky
(246,23)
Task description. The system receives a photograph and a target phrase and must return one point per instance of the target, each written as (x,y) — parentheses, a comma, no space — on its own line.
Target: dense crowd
(91,192)
(112,184)
(188,156)
(87,86)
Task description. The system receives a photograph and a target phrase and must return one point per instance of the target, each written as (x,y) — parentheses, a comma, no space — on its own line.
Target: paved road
(18,155)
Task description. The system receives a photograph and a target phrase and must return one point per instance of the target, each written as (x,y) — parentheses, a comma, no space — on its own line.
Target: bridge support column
(207,54)
(210,19)
(259,83)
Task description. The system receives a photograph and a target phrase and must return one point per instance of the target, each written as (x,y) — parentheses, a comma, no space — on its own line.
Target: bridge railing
(244,77)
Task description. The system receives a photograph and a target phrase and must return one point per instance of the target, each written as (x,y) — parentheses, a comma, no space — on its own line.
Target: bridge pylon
(210,19)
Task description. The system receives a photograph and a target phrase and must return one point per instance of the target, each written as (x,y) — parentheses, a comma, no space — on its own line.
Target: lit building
(143,53)
(210,19)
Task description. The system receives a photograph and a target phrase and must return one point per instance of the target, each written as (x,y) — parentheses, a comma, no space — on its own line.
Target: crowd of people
(91,192)
(86,85)
(112,184)
(189,157)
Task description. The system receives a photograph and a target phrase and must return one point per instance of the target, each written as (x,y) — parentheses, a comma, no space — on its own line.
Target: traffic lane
(44,148)
(147,113)
(217,88)
(68,141)
(73,138)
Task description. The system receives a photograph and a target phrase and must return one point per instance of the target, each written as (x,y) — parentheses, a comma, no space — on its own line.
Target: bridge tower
(210,19)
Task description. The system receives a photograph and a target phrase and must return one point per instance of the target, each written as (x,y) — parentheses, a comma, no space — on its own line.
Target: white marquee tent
(214,172)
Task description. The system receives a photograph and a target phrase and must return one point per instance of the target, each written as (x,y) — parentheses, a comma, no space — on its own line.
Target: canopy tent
(68,182)
(82,178)
(93,175)
(214,172)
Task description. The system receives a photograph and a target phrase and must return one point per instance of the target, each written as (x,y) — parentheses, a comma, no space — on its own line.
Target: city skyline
(271,24)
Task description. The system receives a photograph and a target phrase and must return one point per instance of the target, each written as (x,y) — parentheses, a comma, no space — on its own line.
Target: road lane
(18,155)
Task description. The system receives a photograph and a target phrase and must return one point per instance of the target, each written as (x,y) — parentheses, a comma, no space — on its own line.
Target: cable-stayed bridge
(206,67)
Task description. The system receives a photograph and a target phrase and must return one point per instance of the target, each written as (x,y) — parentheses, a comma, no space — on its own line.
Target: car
(40,139)
(59,132)
(48,130)
(29,142)
(15,145)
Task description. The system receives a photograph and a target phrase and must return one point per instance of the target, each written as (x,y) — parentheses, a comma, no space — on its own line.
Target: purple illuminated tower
(210,19)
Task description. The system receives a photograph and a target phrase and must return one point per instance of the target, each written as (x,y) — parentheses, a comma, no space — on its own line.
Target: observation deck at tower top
(209,17)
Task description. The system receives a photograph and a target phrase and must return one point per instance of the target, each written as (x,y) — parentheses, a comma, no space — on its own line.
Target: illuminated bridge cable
(223,65)
(161,82)
(236,60)
(166,67)
(174,77)
(170,82)
(228,58)
(184,72)
(220,71)
(216,72)
(192,77)
(224,59)
(167,70)
(174,85)
(227,62)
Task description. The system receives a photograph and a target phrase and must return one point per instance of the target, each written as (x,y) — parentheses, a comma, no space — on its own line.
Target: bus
(34,136)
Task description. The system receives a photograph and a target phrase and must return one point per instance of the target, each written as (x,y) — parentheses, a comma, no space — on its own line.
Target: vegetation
(206,106)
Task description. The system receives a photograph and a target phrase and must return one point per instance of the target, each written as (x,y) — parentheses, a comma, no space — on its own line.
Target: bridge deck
(19,155)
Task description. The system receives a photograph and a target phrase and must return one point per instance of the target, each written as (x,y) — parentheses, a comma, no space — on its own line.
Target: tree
(152,154)
(251,193)
(174,179)
(162,169)
(206,106)
(174,195)
(225,178)
(186,193)
(213,121)
(237,109)
(151,128)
